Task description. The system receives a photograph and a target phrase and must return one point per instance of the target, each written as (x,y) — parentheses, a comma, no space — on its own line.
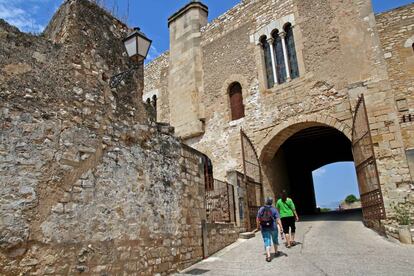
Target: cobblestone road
(331,244)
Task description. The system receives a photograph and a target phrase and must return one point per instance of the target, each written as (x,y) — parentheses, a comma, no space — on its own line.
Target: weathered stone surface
(86,184)
(220,235)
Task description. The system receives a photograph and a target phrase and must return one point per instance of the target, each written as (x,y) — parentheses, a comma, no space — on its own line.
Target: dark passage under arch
(309,149)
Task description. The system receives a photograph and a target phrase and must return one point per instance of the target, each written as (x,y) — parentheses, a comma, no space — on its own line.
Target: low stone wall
(392,232)
(133,208)
(219,235)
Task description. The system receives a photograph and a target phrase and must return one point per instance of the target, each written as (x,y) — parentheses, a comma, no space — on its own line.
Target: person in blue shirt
(266,220)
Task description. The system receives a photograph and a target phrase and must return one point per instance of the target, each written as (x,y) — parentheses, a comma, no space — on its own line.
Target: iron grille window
(208,174)
(236,101)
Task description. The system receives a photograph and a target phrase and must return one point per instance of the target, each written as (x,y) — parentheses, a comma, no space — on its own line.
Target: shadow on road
(197,271)
(345,215)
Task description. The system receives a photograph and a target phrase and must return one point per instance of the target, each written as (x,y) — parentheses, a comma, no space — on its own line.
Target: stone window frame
(409,152)
(237,109)
(225,92)
(150,95)
(268,31)
(151,98)
(409,43)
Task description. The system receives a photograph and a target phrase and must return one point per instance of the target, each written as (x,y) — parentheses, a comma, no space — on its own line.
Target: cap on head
(269,201)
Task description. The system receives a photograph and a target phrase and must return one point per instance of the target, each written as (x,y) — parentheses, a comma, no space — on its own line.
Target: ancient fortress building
(259,98)
(308,82)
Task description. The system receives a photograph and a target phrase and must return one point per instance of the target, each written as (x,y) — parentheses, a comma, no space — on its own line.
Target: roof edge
(403,7)
(190,5)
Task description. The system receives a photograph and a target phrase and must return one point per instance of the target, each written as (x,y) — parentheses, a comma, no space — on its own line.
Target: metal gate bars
(220,205)
(252,178)
(366,166)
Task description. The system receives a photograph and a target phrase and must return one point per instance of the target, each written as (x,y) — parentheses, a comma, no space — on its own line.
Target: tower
(185,77)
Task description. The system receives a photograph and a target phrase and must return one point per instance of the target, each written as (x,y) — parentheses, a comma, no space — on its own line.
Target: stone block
(58,208)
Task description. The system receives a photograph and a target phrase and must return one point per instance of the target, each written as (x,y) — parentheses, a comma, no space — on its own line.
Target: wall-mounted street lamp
(137,45)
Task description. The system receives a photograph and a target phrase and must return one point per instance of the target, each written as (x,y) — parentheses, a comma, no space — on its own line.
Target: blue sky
(334,182)
(150,15)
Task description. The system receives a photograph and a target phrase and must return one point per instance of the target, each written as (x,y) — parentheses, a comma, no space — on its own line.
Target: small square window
(410,158)
(402,105)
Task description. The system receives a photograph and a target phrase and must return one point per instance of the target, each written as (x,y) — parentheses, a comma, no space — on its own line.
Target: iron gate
(254,201)
(366,166)
(220,203)
(252,178)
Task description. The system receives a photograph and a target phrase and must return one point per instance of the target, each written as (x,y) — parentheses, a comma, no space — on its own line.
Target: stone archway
(276,137)
(294,149)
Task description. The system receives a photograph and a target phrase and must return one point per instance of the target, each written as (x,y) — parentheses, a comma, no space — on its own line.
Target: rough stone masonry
(88,184)
(343,50)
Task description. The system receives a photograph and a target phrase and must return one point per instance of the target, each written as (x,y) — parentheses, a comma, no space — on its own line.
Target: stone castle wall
(339,56)
(87,184)
(396,30)
(229,55)
(156,83)
(220,235)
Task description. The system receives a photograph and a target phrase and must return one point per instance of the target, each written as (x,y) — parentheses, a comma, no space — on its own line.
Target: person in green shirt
(288,216)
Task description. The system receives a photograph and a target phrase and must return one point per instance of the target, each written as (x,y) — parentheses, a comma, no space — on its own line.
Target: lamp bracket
(118,78)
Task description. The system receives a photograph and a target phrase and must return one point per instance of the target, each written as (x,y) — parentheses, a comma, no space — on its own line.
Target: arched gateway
(297,147)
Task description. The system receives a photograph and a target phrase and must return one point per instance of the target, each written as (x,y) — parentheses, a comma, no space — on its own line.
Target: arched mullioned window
(268,61)
(280,56)
(291,52)
(280,59)
(154,105)
(236,101)
(154,101)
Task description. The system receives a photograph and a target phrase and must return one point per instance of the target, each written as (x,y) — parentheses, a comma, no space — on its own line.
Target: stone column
(285,55)
(272,54)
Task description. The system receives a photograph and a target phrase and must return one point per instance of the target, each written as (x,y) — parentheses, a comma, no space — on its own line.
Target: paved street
(333,244)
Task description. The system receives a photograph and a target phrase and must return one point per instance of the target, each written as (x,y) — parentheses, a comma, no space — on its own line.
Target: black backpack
(266,217)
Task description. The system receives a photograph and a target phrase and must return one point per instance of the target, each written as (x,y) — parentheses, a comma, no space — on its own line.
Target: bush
(351,199)
(325,210)
(402,214)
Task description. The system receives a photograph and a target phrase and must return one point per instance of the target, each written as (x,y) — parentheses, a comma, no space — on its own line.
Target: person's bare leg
(275,249)
(288,243)
(268,251)
(293,237)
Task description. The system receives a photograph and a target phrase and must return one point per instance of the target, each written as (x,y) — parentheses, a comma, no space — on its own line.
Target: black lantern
(137,45)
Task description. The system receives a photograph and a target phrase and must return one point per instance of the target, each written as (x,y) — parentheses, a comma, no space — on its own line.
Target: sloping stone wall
(87,184)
